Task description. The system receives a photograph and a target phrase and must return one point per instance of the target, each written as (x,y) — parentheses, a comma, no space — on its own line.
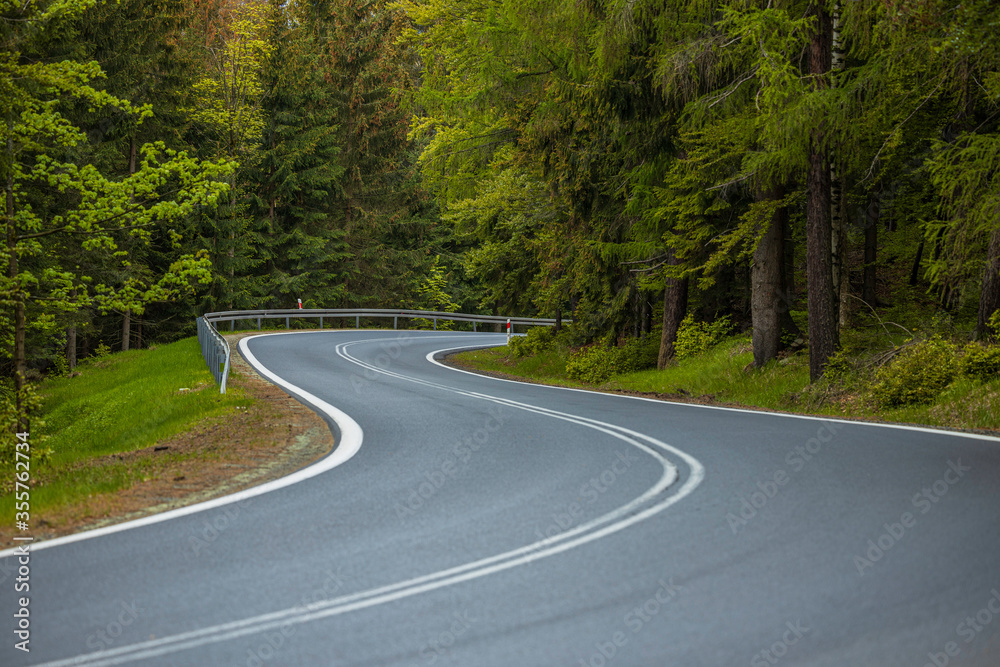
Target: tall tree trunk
(989,298)
(824,335)
(915,271)
(766,301)
(558,325)
(71,346)
(674,308)
(126,330)
(869,282)
(71,339)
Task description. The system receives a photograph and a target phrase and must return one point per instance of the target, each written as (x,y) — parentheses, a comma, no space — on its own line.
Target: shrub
(591,364)
(981,362)
(597,363)
(994,324)
(538,339)
(638,354)
(918,374)
(697,337)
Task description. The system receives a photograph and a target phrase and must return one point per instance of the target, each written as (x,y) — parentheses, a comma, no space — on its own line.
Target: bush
(598,362)
(694,338)
(593,364)
(918,374)
(981,362)
(538,339)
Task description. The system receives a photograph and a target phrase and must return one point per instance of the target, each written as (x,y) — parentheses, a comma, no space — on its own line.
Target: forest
(797,169)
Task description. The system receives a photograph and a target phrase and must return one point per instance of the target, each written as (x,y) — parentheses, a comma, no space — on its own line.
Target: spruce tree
(297,174)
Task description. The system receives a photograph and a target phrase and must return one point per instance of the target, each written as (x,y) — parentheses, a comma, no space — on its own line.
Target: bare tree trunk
(71,339)
(989,298)
(765,288)
(674,308)
(915,271)
(126,330)
(71,347)
(824,335)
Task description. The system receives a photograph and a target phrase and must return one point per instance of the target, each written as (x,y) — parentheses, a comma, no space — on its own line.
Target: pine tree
(298,174)
(364,73)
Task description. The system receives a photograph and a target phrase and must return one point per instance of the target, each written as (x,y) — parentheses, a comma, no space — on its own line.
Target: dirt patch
(273,436)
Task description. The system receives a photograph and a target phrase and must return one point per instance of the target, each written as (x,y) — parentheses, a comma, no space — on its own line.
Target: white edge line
(351,436)
(836,420)
(619,518)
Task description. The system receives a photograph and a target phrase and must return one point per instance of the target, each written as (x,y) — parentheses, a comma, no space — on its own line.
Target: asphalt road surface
(465,520)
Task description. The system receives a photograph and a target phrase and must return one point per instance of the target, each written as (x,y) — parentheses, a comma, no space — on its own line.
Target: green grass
(724,374)
(120,403)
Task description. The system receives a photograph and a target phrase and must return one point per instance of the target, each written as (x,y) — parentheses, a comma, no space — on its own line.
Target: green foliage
(993,323)
(30,402)
(596,363)
(981,362)
(432,295)
(538,339)
(918,374)
(698,337)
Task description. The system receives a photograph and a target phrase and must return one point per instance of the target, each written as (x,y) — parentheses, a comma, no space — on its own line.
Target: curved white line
(617,520)
(350,442)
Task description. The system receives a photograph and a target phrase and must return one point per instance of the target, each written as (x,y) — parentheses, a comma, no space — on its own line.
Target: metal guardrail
(215,351)
(214,346)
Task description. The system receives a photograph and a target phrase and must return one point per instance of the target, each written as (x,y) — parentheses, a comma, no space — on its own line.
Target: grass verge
(112,406)
(723,375)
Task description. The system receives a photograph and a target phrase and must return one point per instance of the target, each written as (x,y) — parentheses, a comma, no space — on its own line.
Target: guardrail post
(258,324)
(288,323)
(395,322)
(357,321)
(320,321)
(473,326)
(435,324)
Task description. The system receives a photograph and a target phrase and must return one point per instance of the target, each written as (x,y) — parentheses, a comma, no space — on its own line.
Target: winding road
(466,520)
